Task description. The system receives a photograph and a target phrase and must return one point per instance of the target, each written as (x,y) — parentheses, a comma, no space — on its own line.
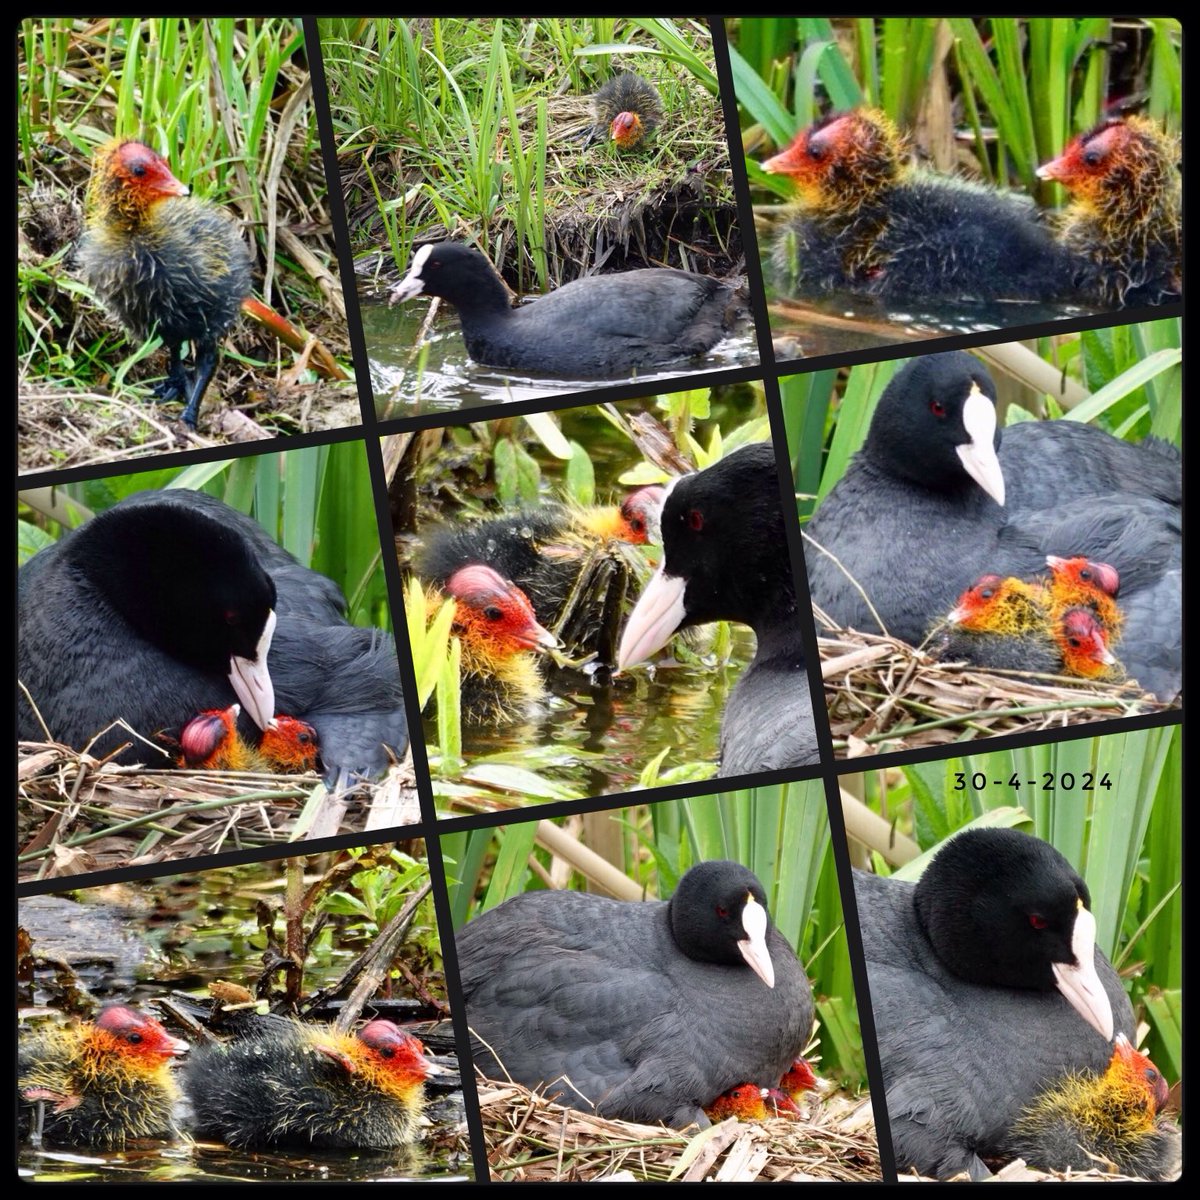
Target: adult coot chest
(987,988)
(640,1011)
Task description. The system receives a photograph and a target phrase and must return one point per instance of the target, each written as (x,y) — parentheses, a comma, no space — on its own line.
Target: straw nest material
(77,813)
(529,1138)
(883,695)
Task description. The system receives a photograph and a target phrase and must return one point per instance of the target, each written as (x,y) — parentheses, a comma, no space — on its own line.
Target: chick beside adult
(162,262)
(1124,226)
(284,1083)
(212,741)
(99,1083)
(868,223)
(725,558)
(1114,1116)
(987,988)
(641,1011)
(598,327)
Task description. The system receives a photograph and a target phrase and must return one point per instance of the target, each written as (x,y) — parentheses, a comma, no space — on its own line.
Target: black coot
(642,1011)
(172,603)
(725,558)
(987,988)
(935,499)
(599,327)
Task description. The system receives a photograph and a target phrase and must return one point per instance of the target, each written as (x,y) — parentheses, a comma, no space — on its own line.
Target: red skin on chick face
(493,613)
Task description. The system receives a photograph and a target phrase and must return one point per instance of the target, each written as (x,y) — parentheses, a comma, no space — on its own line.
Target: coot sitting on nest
(725,558)
(936,498)
(643,1011)
(987,988)
(99,1084)
(171,604)
(599,327)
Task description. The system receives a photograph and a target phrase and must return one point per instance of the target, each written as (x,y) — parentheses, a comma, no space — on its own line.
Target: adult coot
(599,327)
(571,562)
(725,558)
(285,1083)
(644,1011)
(171,604)
(627,109)
(987,988)
(1124,227)
(935,499)
(163,262)
(1114,1116)
(101,1083)
(868,223)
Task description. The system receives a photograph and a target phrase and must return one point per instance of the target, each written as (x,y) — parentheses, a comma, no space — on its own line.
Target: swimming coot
(1124,227)
(626,109)
(499,635)
(869,223)
(935,499)
(640,1011)
(171,604)
(987,988)
(570,562)
(163,262)
(285,1083)
(1113,1116)
(599,327)
(725,558)
(99,1083)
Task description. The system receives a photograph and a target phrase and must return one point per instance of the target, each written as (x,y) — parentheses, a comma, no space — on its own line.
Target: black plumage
(643,1011)
(599,327)
(136,615)
(911,520)
(625,109)
(725,558)
(971,1020)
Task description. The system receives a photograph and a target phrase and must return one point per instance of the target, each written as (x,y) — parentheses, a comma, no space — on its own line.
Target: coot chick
(99,1084)
(987,988)
(1124,227)
(750,1103)
(1083,644)
(935,499)
(869,223)
(211,741)
(725,558)
(172,603)
(569,561)
(599,327)
(162,261)
(640,1011)
(627,108)
(498,632)
(1110,1116)
(290,1084)
(1080,583)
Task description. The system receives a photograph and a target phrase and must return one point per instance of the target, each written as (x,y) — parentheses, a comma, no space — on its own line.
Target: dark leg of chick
(177,382)
(206,364)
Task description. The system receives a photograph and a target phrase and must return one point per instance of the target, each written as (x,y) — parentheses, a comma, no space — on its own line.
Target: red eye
(695,520)
(937,408)
(722,912)
(231,616)
(1037,921)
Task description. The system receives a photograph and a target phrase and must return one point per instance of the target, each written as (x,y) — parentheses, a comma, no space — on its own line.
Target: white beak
(252,681)
(412,284)
(656,616)
(978,456)
(1079,982)
(754,947)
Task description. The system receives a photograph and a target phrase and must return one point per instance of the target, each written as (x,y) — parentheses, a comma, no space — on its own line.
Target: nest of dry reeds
(77,813)
(883,695)
(530,1138)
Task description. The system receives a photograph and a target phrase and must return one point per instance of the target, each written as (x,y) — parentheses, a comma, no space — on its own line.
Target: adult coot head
(935,426)
(454,271)
(1004,909)
(189,585)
